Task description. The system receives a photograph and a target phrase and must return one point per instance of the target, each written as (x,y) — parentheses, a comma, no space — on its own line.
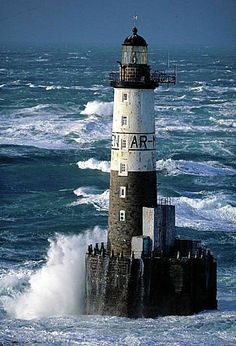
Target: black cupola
(134,39)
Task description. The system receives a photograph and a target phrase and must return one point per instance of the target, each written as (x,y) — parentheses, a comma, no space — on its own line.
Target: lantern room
(134,50)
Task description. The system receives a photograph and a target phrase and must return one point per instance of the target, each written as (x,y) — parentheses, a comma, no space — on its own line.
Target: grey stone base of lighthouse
(140,192)
(150,286)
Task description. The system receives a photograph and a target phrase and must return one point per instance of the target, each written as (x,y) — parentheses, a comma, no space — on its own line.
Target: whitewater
(55,135)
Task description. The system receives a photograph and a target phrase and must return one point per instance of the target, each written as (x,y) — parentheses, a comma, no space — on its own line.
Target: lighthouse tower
(133,156)
(144,270)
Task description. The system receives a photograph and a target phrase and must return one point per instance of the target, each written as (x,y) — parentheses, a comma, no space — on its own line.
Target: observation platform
(136,80)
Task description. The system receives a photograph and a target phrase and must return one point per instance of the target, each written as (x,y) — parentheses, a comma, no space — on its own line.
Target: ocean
(55,137)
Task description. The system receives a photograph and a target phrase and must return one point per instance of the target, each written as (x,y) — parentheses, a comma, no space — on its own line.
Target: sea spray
(92,163)
(57,289)
(89,195)
(98,107)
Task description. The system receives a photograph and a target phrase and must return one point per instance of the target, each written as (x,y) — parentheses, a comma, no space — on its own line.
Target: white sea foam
(208,168)
(98,108)
(32,110)
(163,125)
(12,281)
(50,87)
(75,56)
(57,289)
(73,87)
(225,80)
(208,213)
(224,122)
(54,126)
(43,133)
(92,129)
(170,166)
(89,195)
(98,125)
(197,89)
(41,60)
(92,163)
(211,88)
(179,98)
(214,328)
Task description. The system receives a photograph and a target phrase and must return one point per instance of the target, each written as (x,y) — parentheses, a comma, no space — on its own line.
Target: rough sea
(55,136)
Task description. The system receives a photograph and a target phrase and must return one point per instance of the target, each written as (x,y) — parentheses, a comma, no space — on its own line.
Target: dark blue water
(55,129)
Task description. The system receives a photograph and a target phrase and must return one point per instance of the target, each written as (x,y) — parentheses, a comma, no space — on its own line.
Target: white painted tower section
(133,136)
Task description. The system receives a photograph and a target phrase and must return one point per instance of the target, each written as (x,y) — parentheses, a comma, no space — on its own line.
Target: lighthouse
(133,154)
(143,270)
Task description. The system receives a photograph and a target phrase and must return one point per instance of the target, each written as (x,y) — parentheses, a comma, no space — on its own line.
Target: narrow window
(134,58)
(122,167)
(122,215)
(122,191)
(123,143)
(124,121)
(124,97)
(125,57)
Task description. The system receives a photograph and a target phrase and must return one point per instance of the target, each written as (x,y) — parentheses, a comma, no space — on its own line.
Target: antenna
(175,73)
(135,18)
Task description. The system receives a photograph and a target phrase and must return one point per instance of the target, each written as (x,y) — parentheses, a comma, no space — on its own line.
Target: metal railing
(155,77)
(164,200)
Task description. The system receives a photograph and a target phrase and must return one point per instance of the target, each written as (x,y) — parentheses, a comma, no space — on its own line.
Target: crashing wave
(92,163)
(57,288)
(210,213)
(98,108)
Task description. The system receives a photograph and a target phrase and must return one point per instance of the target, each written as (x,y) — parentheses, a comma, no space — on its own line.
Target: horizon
(166,23)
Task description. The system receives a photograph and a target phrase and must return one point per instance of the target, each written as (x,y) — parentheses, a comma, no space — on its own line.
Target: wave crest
(205,168)
(92,163)
(57,289)
(98,108)
(172,167)
(208,213)
(88,195)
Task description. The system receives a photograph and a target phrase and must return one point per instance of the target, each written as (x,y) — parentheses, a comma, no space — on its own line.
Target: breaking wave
(49,87)
(32,110)
(208,168)
(57,288)
(55,126)
(98,108)
(209,213)
(89,195)
(170,166)
(224,122)
(92,129)
(206,213)
(92,163)
(39,132)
